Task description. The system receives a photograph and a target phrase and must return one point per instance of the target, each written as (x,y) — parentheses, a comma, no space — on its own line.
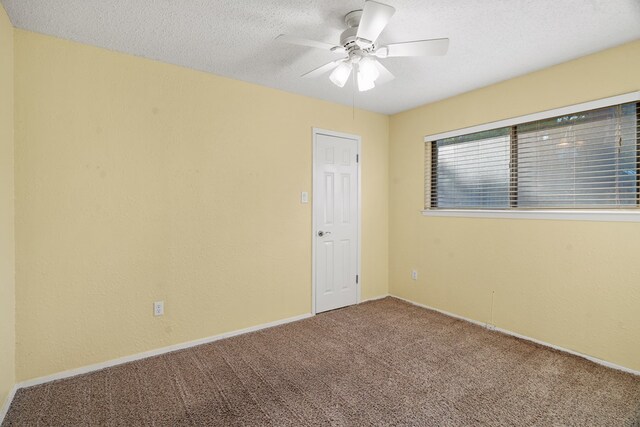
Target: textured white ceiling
(491,40)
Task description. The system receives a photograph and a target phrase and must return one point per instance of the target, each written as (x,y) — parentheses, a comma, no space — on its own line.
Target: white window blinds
(586,160)
(472,171)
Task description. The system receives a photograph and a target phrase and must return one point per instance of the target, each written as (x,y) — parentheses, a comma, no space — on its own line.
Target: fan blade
(385,75)
(375,16)
(418,48)
(322,69)
(309,43)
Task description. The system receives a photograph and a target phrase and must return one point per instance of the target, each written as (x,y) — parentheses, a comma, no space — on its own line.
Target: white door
(336,216)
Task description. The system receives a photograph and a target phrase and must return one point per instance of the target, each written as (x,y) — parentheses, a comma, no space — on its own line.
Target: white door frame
(314,231)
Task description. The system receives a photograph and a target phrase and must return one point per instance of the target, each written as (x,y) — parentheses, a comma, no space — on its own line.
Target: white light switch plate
(304,197)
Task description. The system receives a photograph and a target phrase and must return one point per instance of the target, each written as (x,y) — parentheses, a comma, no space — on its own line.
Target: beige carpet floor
(381,363)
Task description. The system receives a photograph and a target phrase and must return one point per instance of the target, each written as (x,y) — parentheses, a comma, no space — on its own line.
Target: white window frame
(623,215)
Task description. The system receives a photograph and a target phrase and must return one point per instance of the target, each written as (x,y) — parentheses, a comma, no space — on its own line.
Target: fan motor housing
(348,37)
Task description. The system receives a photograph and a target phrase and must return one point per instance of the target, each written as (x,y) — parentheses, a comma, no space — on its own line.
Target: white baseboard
(375,298)
(7,403)
(524,337)
(151,353)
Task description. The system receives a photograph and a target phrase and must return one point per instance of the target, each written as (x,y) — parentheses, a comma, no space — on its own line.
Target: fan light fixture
(366,72)
(341,74)
(364,83)
(367,67)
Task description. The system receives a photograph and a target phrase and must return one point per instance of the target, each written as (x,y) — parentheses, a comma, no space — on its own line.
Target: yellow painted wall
(574,284)
(140,181)
(7,243)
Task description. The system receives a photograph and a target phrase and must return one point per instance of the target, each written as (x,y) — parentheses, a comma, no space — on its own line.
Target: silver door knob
(323,233)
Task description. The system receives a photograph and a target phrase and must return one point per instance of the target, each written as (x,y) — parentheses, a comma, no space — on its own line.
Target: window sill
(627,215)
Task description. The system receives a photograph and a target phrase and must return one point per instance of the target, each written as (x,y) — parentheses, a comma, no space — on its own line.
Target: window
(582,160)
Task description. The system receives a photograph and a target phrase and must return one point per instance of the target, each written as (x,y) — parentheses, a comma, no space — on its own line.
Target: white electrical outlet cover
(158,308)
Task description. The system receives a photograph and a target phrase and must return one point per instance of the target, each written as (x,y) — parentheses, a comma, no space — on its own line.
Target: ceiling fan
(358,42)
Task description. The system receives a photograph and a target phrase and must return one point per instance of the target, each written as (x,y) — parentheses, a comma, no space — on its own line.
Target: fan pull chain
(353,97)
